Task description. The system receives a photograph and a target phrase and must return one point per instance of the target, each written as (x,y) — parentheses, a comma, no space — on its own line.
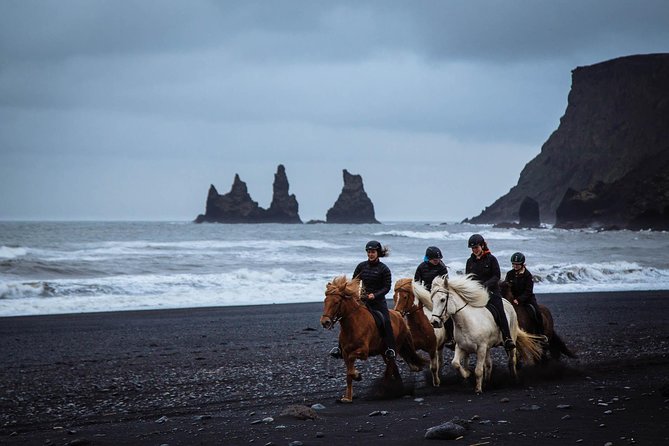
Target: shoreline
(540,296)
(211,375)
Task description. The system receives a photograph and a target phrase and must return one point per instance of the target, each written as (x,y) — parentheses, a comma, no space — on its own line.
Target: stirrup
(336,353)
(390,354)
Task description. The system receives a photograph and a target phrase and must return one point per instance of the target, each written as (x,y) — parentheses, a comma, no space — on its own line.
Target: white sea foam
(7,252)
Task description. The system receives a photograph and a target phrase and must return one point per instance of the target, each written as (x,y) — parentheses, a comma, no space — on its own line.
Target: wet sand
(229,375)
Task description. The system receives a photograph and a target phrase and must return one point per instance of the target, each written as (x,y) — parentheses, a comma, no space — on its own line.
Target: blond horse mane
(466,287)
(345,287)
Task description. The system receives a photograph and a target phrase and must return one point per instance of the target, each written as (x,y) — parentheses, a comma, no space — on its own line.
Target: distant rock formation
(237,206)
(528,216)
(284,207)
(353,205)
(614,130)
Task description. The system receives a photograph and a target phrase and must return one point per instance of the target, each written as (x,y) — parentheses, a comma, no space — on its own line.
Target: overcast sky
(114,110)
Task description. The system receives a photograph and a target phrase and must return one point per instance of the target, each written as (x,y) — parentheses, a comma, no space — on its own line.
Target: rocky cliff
(353,205)
(237,206)
(616,125)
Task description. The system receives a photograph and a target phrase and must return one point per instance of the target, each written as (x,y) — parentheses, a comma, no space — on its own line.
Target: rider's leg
(539,317)
(496,300)
(389,337)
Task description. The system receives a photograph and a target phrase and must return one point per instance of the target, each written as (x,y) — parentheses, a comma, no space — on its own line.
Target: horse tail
(557,347)
(529,346)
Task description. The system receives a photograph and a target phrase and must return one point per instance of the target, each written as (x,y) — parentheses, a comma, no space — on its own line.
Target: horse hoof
(358,377)
(345,400)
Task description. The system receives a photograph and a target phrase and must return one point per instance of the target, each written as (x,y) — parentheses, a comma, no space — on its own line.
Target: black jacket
(375,278)
(522,286)
(485,270)
(426,272)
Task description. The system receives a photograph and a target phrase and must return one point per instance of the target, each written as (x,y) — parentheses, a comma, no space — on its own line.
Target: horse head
(403,296)
(439,298)
(337,293)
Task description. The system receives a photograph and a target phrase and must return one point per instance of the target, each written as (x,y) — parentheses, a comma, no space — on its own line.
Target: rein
(338,318)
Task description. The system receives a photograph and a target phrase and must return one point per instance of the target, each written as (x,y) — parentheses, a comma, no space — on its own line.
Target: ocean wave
(8,252)
(455,236)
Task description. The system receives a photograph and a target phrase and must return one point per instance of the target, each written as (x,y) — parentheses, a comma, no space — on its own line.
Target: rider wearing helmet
(377,282)
(521,284)
(432,266)
(485,269)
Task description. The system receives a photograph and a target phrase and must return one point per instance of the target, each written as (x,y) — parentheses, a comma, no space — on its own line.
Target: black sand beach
(226,375)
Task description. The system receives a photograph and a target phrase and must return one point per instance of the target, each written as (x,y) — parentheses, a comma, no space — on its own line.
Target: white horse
(475,331)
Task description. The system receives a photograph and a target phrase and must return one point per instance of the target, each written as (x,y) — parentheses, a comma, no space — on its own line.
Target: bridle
(336,317)
(413,307)
(448,295)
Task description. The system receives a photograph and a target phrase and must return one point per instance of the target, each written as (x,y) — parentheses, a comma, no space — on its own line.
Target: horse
(528,322)
(359,336)
(475,331)
(425,337)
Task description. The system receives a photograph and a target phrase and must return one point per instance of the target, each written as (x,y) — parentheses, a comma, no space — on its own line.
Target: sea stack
(237,206)
(353,205)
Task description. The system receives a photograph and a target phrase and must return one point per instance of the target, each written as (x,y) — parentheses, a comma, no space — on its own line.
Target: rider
(485,268)
(431,267)
(522,287)
(376,280)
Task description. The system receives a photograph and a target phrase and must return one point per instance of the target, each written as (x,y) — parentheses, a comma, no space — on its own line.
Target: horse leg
(513,364)
(351,374)
(488,367)
(434,367)
(481,358)
(457,362)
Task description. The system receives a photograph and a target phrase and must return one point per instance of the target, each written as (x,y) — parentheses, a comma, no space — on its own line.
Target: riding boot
(540,320)
(503,322)
(389,339)
(450,340)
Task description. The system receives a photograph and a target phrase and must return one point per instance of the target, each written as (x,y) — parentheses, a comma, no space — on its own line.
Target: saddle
(378,320)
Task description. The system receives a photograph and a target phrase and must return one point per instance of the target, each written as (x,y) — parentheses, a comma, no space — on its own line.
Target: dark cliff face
(616,122)
(237,206)
(353,205)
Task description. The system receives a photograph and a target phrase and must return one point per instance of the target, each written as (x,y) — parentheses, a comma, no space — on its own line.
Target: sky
(129,110)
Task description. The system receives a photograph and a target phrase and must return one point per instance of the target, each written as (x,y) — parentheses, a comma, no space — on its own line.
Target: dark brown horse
(425,337)
(359,336)
(528,322)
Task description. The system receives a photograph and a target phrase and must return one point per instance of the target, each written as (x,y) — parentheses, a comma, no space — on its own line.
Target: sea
(74,267)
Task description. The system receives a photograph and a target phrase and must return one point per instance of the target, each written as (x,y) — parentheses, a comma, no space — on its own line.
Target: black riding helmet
(476,239)
(373,244)
(518,257)
(432,252)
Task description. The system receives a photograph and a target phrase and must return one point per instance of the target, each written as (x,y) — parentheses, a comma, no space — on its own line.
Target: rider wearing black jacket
(485,268)
(431,267)
(376,281)
(522,287)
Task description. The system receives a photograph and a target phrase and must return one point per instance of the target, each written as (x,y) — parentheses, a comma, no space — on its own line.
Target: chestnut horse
(425,337)
(359,337)
(528,322)
(464,300)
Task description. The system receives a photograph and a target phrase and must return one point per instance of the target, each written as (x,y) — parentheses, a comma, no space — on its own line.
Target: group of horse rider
(482,264)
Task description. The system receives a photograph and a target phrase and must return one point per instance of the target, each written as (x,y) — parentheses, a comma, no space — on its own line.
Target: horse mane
(469,289)
(423,296)
(345,287)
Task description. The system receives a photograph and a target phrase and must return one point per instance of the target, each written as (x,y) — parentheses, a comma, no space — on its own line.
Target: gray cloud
(116,99)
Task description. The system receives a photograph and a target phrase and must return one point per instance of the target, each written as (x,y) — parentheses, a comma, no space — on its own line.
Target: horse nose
(326,322)
(436,323)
